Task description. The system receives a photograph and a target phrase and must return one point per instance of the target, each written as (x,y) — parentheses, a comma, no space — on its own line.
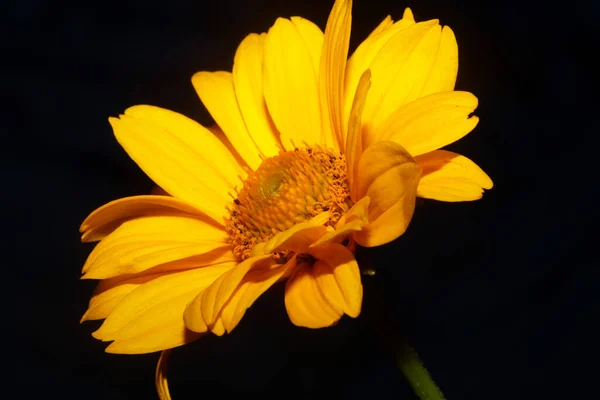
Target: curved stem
(415,372)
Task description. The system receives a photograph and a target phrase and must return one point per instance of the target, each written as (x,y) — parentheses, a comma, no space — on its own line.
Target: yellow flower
(314,153)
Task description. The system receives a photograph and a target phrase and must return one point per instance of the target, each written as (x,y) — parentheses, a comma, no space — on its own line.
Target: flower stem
(415,372)
(377,315)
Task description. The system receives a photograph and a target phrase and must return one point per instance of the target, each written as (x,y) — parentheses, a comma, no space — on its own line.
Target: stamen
(287,189)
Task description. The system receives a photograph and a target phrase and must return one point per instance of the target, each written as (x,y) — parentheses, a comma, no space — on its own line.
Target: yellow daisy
(314,154)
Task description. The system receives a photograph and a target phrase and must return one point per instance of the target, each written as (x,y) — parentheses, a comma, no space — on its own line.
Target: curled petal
(305,304)
(338,277)
(389,176)
(205,308)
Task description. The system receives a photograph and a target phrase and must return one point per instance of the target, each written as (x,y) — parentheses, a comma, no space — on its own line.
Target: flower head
(314,154)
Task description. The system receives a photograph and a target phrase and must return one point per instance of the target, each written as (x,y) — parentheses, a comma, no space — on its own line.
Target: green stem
(415,372)
(379,319)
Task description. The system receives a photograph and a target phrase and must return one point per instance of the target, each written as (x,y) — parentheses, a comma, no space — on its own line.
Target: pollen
(287,189)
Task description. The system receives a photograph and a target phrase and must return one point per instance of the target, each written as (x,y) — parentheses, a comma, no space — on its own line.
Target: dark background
(498,296)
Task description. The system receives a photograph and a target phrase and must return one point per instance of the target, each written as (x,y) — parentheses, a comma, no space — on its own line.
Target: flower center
(287,189)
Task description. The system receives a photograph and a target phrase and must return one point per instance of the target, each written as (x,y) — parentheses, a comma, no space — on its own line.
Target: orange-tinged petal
(431,122)
(341,265)
(204,310)
(175,160)
(400,71)
(247,80)
(160,376)
(352,221)
(364,55)
(389,176)
(254,284)
(218,327)
(332,69)
(217,93)
(145,242)
(150,318)
(107,218)
(305,304)
(354,147)
(298,238)
(290,85)
(449,176)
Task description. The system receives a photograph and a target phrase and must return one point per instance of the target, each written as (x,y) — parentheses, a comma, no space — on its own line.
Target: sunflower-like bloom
(314,153)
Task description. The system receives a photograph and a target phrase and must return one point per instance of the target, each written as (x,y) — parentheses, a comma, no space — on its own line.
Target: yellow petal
(298,238)
(449,176)
(400,71)
(305,304)
(150,318)
(445,66)
(364,55)
(145,242)
(290,85)
(338,275)
(107,218)
(110,292)
(184,158)
(383,25)
(248,84)
(204,310)
(160,376)
(352,221)
(331,78)
(218,132)
(431,122)
(389,176)
(217,93)
(254,284)
(313,39)
(354,147)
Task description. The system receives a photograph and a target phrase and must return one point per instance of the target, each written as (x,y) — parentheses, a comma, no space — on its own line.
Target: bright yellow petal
(298,238)
(339,275)
(110,292)
(150,318)
(389,176)
(383,25)
(364,55)
(290,85)
(160,376)
(146,242)
(313,39)
(248,84)
(204,310)
(305,304)
(444,68)
(431,122)
(181,156)
(354,147)
(107,218)
(449,176)
(254,284)
(217,93)
(332,69)
(400,71)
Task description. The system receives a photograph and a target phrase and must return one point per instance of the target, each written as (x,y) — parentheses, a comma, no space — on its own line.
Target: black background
(498,296)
